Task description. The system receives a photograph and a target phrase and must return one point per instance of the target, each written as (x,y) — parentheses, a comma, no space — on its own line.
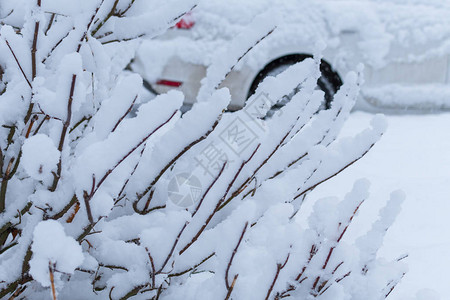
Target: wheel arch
(325,68)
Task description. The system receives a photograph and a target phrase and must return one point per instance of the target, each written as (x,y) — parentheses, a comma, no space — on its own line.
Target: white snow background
(413,155)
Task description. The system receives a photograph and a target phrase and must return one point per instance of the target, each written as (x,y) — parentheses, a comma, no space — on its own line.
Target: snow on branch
(103,196)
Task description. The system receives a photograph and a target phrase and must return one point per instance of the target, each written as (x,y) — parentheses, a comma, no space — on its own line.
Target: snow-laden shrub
(97,204)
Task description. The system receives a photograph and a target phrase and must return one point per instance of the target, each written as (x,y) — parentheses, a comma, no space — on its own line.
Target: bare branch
(152,264)
(161,173)
(125,114)
(332,176)
(18,64)
(227,284)
(230,290)
(219,204)
(277,274)
(102,180)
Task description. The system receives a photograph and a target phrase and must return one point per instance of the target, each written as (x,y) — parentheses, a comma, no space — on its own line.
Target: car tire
(329,82)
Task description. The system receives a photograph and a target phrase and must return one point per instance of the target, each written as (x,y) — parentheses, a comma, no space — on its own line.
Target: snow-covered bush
(96,203)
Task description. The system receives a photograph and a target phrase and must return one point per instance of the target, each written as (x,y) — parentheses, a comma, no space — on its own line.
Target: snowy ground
(414,155)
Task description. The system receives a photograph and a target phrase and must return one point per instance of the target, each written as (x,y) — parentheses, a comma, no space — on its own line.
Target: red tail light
(187,22)
(170,83)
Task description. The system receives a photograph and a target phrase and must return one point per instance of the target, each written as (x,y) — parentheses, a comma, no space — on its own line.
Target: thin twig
(224,203)
(52,279)
(174,159)
(192,268)
(125,114)
(152,264)
(334,175)
(395,283)
(173,248)
(87,198)
(230,290)
(68,120)
(119,196)
(33,63)
(110,14)
(230,262)
(244,54)
(277,274)
(239,190)
(102,180)
(62,138)
(50,23)
(220,203)
(208,189)
(18,64)
(330,252)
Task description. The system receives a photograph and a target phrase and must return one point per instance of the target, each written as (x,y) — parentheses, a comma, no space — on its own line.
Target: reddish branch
(33,62)
(306,153)
(87,197)
(18,64)
(193,267)
(173,248)
(330,253)
(62,139)
(50,23)
(208,189)
(96,187)
(68,120)
(56,46)
(332,176)
(185,225)
(245,53)
(312,253)
(102,180)
(299,278)
(119,196)
(249,179)
(227,284)
(219,204)
(125,114)
(230,290)
(277,274)
(72,216)
(394,285)
(110,14)
(152,264)
(161,173)
(52,279)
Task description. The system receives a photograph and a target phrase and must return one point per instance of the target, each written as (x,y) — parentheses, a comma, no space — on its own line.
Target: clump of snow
(395,96)
(427,294)
(51,246)
(110,197)
(40,156)
(226,58)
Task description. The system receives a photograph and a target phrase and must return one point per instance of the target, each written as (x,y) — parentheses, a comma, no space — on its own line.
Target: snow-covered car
(404,45)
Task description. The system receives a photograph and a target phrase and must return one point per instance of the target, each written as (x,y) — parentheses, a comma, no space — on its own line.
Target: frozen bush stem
(67,122)
(150,189)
